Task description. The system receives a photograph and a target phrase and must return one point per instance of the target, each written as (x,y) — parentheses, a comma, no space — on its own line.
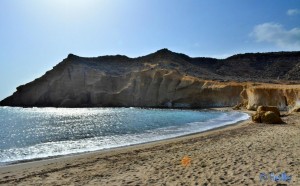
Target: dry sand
(235,155)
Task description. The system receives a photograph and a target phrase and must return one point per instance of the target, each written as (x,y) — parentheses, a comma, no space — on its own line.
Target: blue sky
(37,34)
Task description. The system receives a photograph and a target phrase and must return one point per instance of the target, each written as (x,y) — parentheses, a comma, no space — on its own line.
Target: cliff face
(162,79)
(79,87)
(282,96)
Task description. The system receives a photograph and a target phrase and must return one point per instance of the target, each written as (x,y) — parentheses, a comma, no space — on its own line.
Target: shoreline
(159,162)
(222,109)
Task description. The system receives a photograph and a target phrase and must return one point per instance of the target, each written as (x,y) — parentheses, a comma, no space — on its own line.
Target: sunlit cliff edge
(166,79)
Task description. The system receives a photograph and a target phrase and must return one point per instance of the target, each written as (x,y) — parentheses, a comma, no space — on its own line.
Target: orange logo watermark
(185,161)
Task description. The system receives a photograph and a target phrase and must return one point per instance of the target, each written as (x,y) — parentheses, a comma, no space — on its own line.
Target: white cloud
(292,12)
(278,35)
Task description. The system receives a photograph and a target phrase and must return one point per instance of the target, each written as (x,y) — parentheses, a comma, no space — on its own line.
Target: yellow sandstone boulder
(269,108)
(271,117)
(256,118)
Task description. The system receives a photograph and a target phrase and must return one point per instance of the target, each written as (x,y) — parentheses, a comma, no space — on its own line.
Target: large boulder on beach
(271,117)
(256,118)
(269,108)
(268,117)
(267,114)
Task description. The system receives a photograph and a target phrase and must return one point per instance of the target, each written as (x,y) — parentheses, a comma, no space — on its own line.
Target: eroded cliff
(162,79)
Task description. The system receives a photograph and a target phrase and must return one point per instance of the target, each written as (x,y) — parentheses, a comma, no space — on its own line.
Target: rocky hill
(166,79)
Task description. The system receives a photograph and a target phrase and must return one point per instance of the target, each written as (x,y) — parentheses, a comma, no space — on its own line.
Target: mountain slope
(162,79)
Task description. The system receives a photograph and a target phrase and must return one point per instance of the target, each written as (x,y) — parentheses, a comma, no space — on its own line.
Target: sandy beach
(235,155)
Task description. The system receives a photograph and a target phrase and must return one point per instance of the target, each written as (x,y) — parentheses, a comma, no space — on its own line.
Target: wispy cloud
(292,12)
(277,34)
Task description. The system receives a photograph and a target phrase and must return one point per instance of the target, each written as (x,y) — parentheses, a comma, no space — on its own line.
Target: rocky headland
(166,79)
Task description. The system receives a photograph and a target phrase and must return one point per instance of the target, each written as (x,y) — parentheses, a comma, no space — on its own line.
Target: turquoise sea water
(31,133)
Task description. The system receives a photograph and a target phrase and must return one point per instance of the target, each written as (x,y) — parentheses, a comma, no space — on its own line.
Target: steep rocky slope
(166,79)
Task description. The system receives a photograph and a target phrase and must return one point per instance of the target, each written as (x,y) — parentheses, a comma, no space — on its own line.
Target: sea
(28,134)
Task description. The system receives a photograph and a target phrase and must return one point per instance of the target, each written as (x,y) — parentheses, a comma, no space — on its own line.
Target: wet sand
(234,155)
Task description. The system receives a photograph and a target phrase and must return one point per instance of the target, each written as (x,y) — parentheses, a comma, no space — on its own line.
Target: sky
(35,35)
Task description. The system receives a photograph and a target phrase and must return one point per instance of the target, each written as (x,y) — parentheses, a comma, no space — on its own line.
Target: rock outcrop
(268,108)
(270,117)
(163,79)
(280,96)
(267,114)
